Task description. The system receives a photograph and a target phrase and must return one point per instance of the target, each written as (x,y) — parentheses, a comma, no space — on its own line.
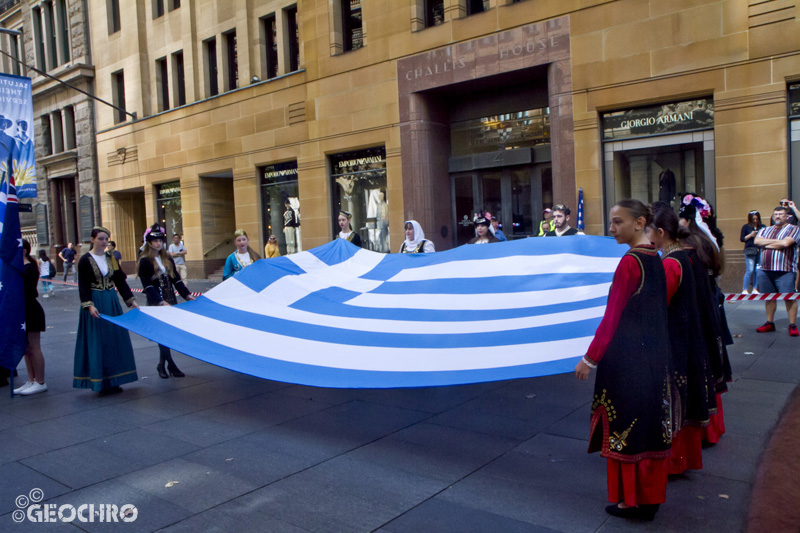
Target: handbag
(752,251)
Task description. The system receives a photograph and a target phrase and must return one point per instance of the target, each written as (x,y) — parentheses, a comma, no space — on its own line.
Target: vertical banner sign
(16,132)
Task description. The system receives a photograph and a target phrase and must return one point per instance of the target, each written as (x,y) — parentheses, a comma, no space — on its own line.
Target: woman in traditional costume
(244,256)
(483,234)
(34,325)
(693,385)
(631,412)
(415,242)
(346,229)
(103,352)
(160,278)
(704,241)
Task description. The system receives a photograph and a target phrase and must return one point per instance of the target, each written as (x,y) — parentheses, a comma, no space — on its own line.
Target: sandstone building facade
(273,115)
(55,40)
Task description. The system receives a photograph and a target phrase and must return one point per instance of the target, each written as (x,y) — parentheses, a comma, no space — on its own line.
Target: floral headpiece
(699,204)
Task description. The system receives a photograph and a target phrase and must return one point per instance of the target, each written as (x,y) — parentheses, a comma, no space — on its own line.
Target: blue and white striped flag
(340,316)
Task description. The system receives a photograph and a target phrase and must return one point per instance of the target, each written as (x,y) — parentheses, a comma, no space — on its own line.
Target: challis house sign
(691,115)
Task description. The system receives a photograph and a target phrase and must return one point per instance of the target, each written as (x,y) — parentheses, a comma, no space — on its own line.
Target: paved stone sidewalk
(255,455)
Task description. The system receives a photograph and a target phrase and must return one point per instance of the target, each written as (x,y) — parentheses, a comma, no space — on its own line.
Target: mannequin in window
(666,186)
(290,224)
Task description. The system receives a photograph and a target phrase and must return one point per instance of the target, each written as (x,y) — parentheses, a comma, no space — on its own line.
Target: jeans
(67,266)
(46,285)
(750,272)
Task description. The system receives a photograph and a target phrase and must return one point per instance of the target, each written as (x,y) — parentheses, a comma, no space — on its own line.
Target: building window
(63,30)
(57,132)
(212,84)
(46,136)
(179,81)
(162,84)
(352,25)
(434,13)
(38,37)
(477,6)
(69,128)
(231,61)
(280,206)
(292,38)
(359,187)
(158,8)
(174,4)
(15,50)
(270,29)
(170,213)
(50,46)
(118,90)
(114,24)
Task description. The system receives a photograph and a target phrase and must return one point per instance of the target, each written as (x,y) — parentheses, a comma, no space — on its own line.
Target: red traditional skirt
(716,424)
(687,451)
(641,483)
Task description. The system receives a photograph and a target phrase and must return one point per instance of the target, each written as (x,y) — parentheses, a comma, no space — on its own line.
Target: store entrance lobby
(487,122)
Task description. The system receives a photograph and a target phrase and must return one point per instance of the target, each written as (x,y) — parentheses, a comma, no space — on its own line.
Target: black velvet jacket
(160,287)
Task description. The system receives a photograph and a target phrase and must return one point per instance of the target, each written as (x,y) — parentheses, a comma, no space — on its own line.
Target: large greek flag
(340,316)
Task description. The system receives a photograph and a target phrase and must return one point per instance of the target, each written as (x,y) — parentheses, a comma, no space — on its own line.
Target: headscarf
(701,209)
(419,235)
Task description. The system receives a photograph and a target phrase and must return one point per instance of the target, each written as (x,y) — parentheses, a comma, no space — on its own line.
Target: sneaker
(745,292)
(46,295)
(755,291)
(25,385)
(793,331)
(768,326)
(34,389)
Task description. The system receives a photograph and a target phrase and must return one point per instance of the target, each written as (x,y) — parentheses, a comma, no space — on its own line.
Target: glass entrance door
(515,195)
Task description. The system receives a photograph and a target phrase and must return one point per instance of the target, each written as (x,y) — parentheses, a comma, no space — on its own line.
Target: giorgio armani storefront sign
(689,115)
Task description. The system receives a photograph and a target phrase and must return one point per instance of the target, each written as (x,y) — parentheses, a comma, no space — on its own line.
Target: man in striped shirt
(778,266)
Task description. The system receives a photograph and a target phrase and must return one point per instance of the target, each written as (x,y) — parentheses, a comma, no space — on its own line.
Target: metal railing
(226,241)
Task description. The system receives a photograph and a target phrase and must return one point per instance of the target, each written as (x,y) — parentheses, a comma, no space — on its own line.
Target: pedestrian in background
(103,352)
(68,256)
(778,266)
(547,223)
(112,249)
(630,421)
(271,249)
(751,251)
(160,279)
(177,251)
(34,326)
(47,271)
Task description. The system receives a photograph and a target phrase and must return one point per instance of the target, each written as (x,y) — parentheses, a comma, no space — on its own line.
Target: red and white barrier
(764,297)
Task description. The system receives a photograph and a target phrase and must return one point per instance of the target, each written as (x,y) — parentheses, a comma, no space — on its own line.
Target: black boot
(164,353)
(173,368)
(642,512)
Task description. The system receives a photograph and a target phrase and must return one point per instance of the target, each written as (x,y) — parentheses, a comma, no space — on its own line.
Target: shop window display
(280,206)
(359,187)
(170,214)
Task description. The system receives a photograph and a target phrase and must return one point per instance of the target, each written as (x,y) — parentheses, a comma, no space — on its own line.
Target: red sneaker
(793,331)
(768,326)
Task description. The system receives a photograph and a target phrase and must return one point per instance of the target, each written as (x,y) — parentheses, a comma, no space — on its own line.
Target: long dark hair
(26,251)
(665,218)
(708,253)
(756,214)
(43,256)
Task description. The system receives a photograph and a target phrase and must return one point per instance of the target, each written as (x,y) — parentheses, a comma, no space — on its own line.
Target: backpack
(51,270)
